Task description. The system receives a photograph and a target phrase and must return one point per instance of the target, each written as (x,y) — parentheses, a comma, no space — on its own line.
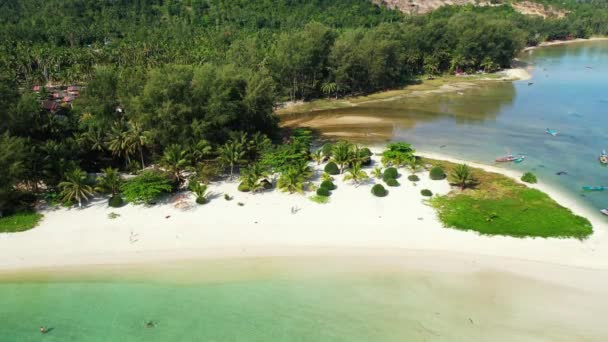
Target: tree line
(187,80)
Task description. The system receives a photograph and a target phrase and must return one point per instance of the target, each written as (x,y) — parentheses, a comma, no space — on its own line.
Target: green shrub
(332,168)
(529,177)
(146,187)
(391,182)
(327,150)
(19,222)
(116,201)
(426,192)
(319,199)
(390,172)
(413,178)
(202,200)
(365,155)
(379,191)
(228,197)
(323,192)
(437,173)
(243,187)
(329,185)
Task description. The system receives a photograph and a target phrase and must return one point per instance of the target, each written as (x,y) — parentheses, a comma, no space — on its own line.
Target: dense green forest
(194,82)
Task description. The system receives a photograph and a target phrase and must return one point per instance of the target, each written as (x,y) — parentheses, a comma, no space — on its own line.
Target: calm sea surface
(307,299)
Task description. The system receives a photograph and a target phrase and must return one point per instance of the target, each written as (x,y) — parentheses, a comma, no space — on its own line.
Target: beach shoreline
(565,42)
(265,226)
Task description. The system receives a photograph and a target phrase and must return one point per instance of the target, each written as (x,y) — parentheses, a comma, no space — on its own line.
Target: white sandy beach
(266,226)
(564,42)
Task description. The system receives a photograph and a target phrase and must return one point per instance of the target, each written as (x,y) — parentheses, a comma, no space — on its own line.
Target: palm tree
(252,175)
(117,142)
(326,177)
(93,138)
(342,154)
(201,150)
(414,164)
(257,144)
(292,180)
(329,88)
(355,173)
(175,161)
(462,176)
(200,190)
(231,154)
(75,186)
(136,139)
(377,172)
(317,156)
(109,182)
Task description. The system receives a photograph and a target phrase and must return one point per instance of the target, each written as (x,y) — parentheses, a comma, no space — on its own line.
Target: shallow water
(296,299)
(569,94)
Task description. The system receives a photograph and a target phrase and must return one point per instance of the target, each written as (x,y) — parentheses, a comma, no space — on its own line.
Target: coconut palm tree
(342,154)
(292,180)
(136,139)
(200,151)
(355,173)
(377,172)
(252,175)
(462,176)
(175,161)
(257,144)
(75,187)
(317,156)
(231,154)
(200,190)
(109,182)
(414,165)
(117,142)
(329,88)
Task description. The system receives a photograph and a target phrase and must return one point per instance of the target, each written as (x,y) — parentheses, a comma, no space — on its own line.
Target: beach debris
(240,204)
(561,173)
(133,237)
(113,215)
(471,320)
(294,210)
(168,216)
(552,132)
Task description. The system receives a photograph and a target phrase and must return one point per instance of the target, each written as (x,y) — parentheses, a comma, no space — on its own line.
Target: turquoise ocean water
(309,299)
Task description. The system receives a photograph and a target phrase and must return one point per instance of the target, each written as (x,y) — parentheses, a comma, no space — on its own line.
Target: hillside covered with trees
(184,82)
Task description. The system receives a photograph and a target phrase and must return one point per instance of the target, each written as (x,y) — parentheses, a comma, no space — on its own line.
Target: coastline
(565,42)
(353,223)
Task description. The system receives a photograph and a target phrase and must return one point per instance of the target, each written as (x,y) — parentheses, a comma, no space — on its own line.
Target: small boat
(552,132)
(595,188)
(604,157)
(511,158)
(506,159)
(604,211)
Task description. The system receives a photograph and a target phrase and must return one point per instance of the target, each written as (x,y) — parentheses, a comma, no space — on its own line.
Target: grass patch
(498,205)
(319,199)
(19,222)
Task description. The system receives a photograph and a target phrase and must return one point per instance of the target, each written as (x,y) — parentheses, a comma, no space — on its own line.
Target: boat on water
(604,157)
(604,211)
(511,158)
(552,132)
(595,188)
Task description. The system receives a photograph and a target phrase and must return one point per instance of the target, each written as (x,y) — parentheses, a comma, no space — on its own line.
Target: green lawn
(19,222)
(500,206)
